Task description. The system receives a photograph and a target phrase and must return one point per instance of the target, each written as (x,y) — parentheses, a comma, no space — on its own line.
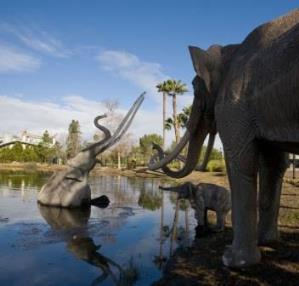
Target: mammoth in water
(249,92)
(69,188)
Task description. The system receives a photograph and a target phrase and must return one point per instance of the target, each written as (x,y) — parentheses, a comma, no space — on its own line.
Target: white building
(25,138)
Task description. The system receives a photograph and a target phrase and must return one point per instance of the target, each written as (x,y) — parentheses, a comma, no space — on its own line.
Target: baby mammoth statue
(204,197)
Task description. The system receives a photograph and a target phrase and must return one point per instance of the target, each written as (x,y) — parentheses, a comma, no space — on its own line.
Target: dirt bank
(201,263)
(31,167)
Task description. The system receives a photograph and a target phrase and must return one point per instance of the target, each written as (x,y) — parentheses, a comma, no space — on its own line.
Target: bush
(216,166)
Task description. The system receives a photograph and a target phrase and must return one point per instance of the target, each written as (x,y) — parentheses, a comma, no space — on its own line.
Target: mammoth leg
(242,170)
(273,164)
(220,221)
(201,217)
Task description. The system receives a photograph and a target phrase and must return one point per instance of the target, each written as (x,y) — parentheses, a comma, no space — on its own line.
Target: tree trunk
(164,119)
(175,121)
(118,161)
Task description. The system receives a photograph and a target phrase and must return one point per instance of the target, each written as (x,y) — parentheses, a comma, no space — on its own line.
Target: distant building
(25,138)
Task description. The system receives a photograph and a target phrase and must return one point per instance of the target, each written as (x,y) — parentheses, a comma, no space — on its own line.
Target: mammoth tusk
(124,127)
(174,153)
(125,124)
(194,149)
(120,131)
(203,166)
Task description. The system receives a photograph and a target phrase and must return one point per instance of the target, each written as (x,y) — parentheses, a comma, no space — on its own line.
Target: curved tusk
(174,153)
(101,146)
(133,111)
(194,149)
(125,124)
(203,166)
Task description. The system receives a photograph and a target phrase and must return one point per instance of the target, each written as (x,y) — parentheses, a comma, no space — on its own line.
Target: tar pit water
(126,243)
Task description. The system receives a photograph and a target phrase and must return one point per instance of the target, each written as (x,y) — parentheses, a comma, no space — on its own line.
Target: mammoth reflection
(73,224)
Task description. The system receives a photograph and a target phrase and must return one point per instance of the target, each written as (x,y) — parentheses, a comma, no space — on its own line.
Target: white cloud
(37,39)
(127,66)
(145,75)
(19,114)
(12,60)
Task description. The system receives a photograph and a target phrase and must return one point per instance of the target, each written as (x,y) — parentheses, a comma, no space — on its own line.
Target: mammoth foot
(101,202)
(240,258)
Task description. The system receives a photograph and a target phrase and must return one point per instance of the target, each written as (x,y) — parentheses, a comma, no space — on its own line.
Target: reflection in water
(21,179)
(74,223)
(176,235)
(135,229)
(150,199)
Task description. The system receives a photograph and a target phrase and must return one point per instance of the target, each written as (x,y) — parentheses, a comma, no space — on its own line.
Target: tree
(182,119)
(164,88)
(146,144)
(175,87)
(73,139)
(147,140)
(47,139)
(123,148)
(17,152)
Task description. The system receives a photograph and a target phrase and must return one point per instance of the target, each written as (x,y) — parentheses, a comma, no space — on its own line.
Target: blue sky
(60,59)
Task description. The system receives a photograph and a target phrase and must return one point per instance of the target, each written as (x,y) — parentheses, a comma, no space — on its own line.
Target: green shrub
(216,166)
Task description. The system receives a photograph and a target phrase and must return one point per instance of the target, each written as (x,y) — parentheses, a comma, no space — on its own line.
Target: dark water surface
(126,243)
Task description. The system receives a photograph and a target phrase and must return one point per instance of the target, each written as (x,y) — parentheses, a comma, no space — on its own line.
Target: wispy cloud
(12,61)
(19,114)
(128,66)
(37,39)
(145,75)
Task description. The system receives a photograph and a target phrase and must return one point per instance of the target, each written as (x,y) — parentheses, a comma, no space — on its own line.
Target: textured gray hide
(250,92)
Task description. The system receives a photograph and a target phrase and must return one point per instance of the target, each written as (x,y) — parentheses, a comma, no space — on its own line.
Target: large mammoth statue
(250,91)
(69,188)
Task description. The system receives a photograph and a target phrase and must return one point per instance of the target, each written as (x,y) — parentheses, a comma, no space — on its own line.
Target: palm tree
(175,87)
(164,88)
(182,119)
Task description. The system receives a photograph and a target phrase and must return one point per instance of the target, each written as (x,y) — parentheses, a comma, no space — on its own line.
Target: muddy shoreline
(201,264)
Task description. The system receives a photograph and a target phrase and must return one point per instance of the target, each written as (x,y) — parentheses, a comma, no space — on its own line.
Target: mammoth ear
(201,61)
